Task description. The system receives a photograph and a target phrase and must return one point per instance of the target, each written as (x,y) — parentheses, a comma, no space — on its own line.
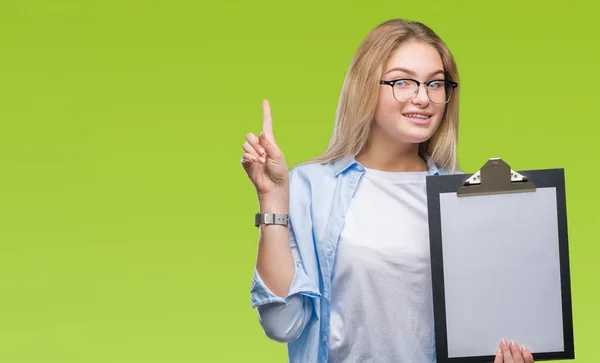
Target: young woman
(343,267)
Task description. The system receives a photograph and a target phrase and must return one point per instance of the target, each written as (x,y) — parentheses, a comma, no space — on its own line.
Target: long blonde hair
(359,94)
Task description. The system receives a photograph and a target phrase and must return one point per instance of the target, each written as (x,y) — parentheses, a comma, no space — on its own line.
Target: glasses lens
(405,90)
(439,91)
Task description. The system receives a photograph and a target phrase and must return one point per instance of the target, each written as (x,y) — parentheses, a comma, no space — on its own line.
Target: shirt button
(329,250)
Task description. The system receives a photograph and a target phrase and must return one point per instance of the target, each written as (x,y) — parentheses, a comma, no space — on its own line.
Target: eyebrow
(413,73)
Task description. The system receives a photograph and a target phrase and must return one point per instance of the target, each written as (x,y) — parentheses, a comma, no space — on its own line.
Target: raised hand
(263,161)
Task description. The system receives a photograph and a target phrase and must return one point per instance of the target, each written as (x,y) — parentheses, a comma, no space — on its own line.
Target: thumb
(272,150)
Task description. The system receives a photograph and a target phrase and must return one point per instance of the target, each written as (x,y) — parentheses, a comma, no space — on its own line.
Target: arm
(283,318)
(275,263)
(283,292)
(280,287)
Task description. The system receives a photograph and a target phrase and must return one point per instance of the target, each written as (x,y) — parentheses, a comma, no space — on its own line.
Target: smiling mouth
(417,116)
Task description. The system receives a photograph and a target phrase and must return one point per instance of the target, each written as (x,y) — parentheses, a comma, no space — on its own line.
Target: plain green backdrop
(126,221)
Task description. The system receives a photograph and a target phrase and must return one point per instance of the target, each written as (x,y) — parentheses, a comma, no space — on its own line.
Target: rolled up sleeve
(260,294)
(284,319)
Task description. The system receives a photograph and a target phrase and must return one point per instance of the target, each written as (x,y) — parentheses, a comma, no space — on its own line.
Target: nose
(421,97)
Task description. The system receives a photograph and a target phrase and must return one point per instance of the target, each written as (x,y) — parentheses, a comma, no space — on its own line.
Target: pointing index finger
(267,120)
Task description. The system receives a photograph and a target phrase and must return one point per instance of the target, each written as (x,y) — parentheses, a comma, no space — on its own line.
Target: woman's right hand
(263,161)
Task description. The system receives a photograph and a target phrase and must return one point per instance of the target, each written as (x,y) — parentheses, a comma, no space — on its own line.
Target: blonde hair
(359,95)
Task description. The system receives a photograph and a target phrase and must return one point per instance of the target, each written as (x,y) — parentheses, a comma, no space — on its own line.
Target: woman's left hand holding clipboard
(510,352)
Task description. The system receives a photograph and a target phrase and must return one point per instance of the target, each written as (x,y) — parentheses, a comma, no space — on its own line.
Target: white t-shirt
(382,309)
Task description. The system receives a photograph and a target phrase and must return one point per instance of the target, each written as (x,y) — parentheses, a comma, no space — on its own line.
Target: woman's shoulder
(331,168)
(311,171)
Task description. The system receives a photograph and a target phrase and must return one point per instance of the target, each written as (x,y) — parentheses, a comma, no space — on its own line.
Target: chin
(414,139)
(415,135)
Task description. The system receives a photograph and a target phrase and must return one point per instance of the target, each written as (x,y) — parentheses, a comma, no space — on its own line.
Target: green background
(126,221)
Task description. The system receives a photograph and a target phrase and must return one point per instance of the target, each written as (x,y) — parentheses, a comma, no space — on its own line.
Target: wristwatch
(270,218)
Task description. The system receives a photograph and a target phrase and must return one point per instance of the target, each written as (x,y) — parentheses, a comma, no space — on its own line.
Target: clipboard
(500,263)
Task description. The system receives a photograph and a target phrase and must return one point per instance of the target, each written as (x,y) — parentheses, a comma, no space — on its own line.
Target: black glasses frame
(419,83)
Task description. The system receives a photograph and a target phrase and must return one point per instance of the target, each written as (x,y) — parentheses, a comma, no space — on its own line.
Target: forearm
(275,262)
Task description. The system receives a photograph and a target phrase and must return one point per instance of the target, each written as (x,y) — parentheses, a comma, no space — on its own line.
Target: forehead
(417,57)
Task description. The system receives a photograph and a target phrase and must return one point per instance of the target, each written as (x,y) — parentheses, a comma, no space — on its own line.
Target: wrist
(274,202)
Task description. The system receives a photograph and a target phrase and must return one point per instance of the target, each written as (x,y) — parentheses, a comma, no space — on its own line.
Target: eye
(403,83)
(435,84)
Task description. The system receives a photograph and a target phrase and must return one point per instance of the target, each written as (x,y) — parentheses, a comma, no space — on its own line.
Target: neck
(392,156)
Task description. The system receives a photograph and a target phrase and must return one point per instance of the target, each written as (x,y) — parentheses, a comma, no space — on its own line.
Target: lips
(418,118)
(422,116)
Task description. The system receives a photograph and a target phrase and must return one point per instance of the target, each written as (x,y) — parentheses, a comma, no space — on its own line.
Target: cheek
(439,113)
(386,95)
(387,106)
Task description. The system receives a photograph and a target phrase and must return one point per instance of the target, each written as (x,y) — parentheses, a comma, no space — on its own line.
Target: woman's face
(415,118)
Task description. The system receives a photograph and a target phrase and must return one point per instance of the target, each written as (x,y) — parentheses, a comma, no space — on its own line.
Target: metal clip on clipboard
(495,177)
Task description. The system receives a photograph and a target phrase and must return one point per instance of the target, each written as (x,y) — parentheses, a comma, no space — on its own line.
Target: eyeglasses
(406,89)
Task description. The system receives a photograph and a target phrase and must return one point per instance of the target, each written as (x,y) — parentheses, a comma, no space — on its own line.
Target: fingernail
(503,342)
(512,343)
(262,160)
(262,135)
(523,348)
(261,150)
